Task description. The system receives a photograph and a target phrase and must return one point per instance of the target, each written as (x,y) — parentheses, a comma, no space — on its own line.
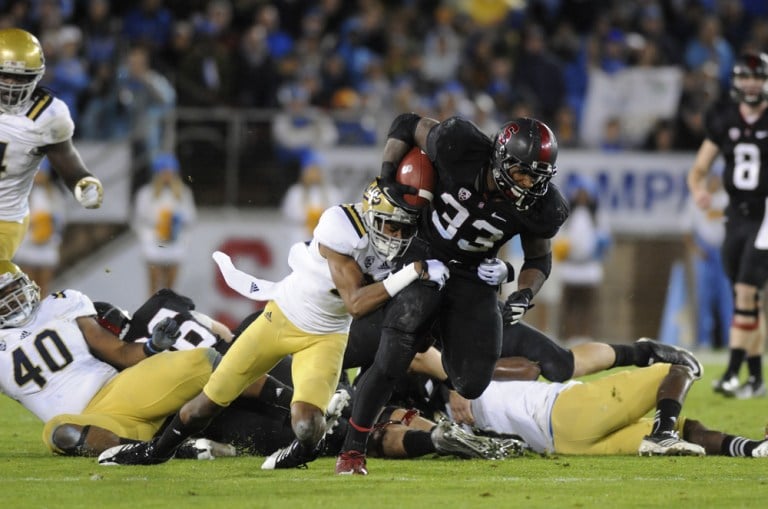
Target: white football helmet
(22,65)
(19,296)
(382,218)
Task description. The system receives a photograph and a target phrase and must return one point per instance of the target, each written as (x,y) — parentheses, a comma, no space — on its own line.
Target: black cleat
(660,352)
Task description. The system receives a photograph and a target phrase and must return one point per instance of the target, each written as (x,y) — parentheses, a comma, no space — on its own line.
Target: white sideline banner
(641,193)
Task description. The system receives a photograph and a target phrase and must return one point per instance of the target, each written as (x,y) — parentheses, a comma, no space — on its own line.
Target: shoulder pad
(341,228)
(52,117)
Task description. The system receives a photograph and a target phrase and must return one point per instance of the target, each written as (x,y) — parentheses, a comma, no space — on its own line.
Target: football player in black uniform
(487,191)
(739,131)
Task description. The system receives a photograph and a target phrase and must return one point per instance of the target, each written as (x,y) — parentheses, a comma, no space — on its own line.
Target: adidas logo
(254,287)
(268,316)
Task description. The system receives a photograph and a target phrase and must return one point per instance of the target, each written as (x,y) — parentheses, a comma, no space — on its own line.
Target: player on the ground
(606,416)
(33,124)
(487,191)
(89,388)
(739,131)
(345,271)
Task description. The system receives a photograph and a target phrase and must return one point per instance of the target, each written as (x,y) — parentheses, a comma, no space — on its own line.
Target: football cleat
(139,453)
(512,447)
(204,449)
(668,443)
(351,463)
(291,457)
(449,438)
(761,451)
(726,385)
(748,390)
(661,352)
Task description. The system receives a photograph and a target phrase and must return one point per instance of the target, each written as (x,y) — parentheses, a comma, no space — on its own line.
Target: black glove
(394,189)
(164,335)
(517,304)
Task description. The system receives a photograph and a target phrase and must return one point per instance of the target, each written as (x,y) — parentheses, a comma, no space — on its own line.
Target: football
(416,170)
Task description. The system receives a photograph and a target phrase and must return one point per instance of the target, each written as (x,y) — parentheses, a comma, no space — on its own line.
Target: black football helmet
(526,146)
(750,65)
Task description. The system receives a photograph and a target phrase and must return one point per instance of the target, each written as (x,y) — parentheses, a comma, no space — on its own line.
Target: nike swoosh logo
(496,216)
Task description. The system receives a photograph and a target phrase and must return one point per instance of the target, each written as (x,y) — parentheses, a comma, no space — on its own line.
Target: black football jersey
(745,151)
(167,303)
(464,223)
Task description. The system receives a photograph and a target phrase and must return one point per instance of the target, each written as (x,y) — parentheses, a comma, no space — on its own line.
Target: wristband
(396,281)
(148,350)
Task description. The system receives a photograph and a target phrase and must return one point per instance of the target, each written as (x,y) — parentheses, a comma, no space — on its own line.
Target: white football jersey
(308,296)
(46,122)
(519,408)
(46,365)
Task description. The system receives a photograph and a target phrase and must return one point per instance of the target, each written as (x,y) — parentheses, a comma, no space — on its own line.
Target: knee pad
(558,367)
(751,319)
(70,438)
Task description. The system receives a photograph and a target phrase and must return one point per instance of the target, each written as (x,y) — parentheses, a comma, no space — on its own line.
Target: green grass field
(31,478)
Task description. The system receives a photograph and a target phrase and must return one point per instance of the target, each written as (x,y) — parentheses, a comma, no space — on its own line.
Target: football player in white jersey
(86,385)
(605,416)
(33,124)
(345,271)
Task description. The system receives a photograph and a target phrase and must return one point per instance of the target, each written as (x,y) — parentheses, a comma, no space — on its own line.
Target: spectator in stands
(39,253)
(257,75)
(709,45)
(65,72)
(164,210)
(205,75)
(145,98)
(149,24)
(538,75)
(299,126)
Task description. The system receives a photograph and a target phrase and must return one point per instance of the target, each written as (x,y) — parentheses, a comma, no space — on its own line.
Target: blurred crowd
(120,64)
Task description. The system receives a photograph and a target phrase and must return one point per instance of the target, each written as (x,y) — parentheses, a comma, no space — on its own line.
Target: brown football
(416,170)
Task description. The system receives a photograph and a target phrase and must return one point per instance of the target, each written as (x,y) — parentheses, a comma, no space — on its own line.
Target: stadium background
(225,141)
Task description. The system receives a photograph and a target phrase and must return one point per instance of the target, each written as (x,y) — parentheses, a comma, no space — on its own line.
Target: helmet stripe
(355,219)
(545,145)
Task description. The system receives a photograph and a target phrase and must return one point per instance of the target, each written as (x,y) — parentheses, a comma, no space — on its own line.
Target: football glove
(89,192)
(164,335)
(437,272)
(493,271)
(393,188)
(517,304)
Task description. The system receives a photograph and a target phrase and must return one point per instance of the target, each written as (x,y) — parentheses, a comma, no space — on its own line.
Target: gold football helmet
(22,65)
(390,228)
(19,296)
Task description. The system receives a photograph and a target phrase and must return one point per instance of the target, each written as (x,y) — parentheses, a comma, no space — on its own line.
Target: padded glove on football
(517,304)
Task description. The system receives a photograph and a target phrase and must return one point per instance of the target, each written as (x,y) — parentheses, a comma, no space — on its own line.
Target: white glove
(493,271)
(89,192)
(438,272)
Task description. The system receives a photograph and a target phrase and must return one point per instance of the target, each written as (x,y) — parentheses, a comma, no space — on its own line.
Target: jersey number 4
(46,343)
